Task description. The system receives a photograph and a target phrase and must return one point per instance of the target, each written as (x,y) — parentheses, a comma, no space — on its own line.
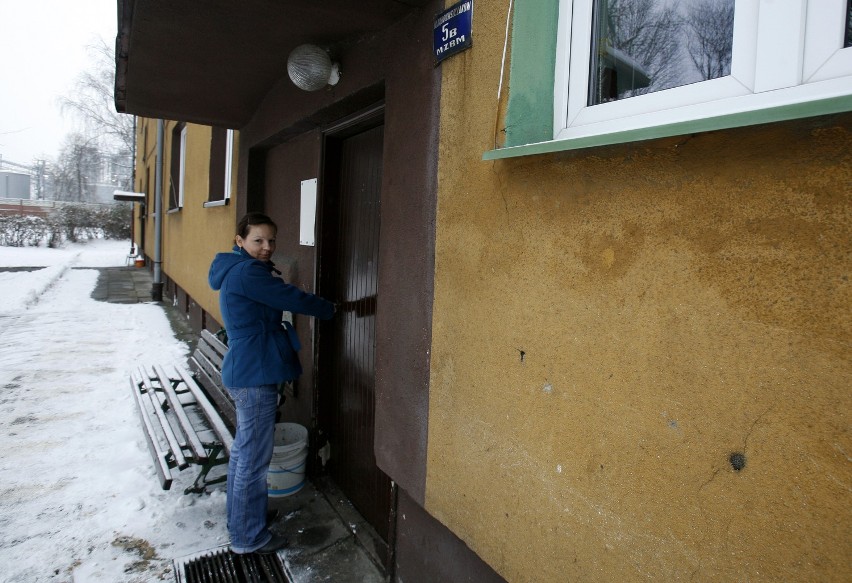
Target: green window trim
(532,73)
(529,115)
(734,120)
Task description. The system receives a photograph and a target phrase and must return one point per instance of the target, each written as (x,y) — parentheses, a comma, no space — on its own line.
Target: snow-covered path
(78,497)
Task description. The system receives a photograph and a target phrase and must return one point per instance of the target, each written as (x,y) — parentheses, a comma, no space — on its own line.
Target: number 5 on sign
(448,32)
(453,30)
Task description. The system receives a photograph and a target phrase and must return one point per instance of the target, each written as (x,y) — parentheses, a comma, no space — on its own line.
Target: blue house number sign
(452,32)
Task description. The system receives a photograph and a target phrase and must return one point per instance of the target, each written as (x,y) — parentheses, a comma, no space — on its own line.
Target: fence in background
(42,208)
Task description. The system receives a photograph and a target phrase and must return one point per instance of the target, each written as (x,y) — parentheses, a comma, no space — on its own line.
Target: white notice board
(308,212)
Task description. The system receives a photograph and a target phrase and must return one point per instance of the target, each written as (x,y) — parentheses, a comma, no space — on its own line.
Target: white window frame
(229,162)
(182,174)
(785,52)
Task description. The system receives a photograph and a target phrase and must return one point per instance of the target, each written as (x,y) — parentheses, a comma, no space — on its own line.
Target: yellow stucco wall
(610,325)
(146,135)
(193,235)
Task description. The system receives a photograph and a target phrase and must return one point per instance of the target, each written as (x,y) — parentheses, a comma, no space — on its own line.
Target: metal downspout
(157,287)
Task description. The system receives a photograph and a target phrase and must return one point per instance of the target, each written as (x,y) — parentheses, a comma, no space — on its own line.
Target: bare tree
(76,170)
(105,153)
(109,134)
(710,37)
(92,101)
(649,32)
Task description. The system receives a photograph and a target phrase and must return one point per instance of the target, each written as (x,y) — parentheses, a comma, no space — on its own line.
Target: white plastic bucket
(286,474)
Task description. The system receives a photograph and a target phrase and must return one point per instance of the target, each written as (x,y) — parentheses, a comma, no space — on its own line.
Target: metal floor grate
(222,566)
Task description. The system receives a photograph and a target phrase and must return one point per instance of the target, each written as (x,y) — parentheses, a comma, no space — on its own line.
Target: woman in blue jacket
(262,353)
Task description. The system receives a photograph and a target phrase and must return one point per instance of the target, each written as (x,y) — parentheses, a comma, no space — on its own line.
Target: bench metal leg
(199,486)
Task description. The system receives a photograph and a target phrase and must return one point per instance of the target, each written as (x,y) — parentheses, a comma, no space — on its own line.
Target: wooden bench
(206,366)
(188,419)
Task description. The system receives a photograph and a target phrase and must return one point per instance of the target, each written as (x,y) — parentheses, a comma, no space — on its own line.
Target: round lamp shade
(310,68)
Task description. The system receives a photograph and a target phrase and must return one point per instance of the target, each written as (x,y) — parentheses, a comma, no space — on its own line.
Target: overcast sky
(43,47)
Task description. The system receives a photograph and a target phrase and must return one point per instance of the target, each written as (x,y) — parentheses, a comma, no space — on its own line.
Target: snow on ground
(79,498)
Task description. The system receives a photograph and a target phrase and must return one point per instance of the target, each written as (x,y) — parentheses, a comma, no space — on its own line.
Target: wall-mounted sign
(308,212)
(452,33)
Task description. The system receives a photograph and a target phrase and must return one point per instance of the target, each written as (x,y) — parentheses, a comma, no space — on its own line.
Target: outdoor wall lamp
(310,68)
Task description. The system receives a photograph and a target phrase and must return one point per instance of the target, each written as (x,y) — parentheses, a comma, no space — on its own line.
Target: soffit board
(213,62)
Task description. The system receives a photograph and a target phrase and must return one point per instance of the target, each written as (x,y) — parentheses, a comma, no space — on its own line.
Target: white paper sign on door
(308,212)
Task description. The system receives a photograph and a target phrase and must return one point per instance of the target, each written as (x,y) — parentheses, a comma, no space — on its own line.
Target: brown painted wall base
(427,551)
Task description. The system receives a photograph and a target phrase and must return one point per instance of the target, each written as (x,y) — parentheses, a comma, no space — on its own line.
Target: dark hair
(252,219)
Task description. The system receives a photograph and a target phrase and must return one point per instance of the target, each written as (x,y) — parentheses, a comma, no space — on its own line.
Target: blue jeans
(250,456)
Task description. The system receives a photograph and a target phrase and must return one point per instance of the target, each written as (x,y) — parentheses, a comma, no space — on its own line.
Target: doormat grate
(222,566)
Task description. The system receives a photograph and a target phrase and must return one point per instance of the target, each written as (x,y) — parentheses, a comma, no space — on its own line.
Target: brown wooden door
(348,275)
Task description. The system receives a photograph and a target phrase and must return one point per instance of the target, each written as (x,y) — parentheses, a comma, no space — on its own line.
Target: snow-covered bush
(115,221)
(24,231)
(78,222)
(69,222)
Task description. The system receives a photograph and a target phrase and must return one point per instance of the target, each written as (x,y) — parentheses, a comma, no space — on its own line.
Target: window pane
(848,40)
(643,46)
(174,174)
(218,155)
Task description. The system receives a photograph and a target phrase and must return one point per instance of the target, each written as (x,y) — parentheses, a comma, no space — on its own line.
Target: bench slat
(212,381)
(218,426)
(161,465)
(214,343)
(208,366)
(186,427)
(211,354)
(195,426)
(171,438)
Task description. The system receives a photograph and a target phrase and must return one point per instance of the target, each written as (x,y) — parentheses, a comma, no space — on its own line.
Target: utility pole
(39,179)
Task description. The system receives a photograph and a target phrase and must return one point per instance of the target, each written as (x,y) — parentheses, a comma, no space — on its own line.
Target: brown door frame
(369,118)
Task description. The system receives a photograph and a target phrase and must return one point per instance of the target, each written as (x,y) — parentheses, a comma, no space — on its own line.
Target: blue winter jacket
(261,351)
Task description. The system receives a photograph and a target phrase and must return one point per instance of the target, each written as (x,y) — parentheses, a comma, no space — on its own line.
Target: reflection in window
(848,40)
(643,46)
(218,154)
(221,161)
(178,159)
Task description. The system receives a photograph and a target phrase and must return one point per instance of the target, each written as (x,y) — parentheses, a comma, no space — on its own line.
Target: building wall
(282,145)
(194,234)
(287,165)
(14,185)
(610,325)
(143,215)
